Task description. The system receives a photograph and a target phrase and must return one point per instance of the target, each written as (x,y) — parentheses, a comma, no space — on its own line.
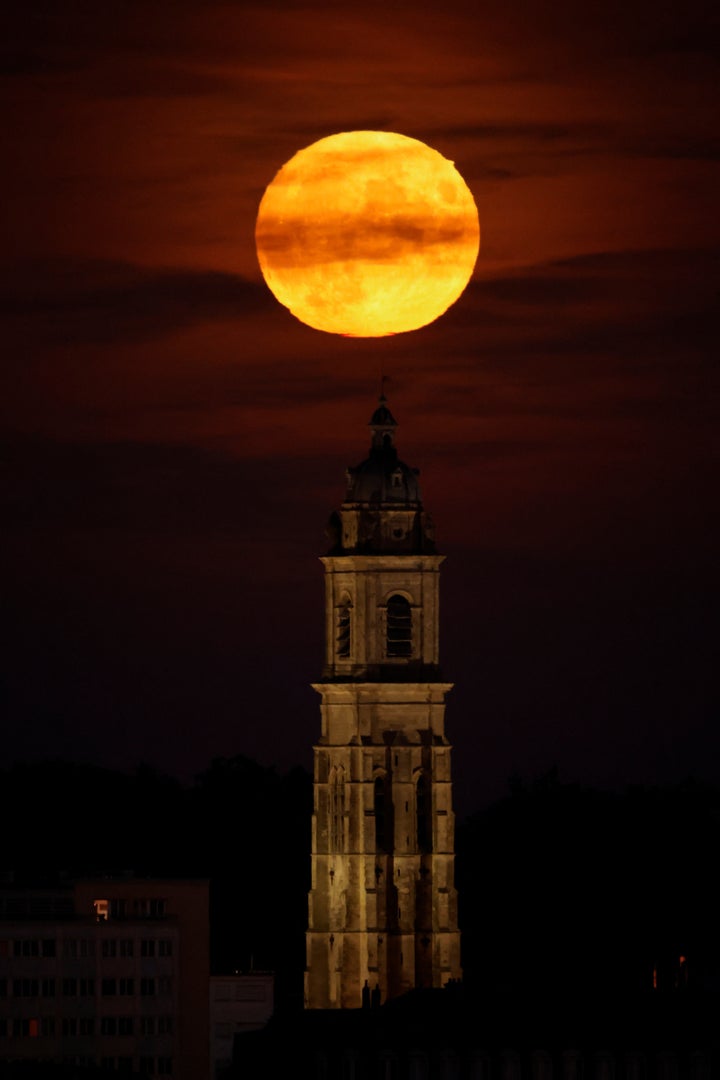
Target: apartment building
(111,972)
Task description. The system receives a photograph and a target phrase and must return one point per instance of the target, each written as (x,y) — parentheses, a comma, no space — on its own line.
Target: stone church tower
(383,905)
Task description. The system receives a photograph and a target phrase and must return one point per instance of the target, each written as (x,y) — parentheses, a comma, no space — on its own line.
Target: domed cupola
(382,511)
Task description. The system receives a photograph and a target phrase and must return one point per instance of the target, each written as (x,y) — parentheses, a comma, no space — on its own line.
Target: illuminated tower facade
(382,906)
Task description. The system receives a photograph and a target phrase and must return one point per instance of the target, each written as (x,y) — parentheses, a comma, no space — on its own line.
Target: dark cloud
(95,301)
(151,488)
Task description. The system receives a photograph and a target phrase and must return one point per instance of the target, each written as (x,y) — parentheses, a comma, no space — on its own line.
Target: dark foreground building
(451,1035)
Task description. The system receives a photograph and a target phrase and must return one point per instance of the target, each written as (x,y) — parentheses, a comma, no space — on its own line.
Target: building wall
(238,1004)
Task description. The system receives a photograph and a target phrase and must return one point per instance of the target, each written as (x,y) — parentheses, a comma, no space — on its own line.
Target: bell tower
(382,906)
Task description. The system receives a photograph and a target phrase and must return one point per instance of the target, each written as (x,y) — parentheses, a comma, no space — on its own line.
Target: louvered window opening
(399,627)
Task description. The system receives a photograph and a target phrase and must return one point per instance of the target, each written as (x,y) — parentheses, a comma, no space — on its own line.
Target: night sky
(174,440)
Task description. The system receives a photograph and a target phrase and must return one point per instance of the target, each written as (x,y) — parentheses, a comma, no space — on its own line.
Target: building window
(165,948)
(109,947)
(126,987)
(108,987)
(164,1066)
(399,627)
(69,1026)
(165,1025)
(344,619)
(337,808)
(48,988)
(147,987)
(423,814)
(118,908)
(147,947)
(26,947)
(87,1025)
(382,831)
(147,1025)
(147,1066)
(78,948)
(126,947)
(108,1025)
(48,947)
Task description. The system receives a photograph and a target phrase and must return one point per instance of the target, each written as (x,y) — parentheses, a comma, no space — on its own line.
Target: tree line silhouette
(561,887)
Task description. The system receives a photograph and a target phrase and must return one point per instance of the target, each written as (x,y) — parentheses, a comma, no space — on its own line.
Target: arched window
(337,809)
(423,814)
(381,815)
(344,610)
(399,627)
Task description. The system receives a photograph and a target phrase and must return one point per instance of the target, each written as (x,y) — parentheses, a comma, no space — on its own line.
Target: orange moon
(367,233)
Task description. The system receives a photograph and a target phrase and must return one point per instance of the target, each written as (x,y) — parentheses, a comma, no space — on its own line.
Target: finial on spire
(382,422)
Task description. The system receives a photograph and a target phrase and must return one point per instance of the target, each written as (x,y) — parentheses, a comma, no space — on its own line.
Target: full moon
(367,233)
